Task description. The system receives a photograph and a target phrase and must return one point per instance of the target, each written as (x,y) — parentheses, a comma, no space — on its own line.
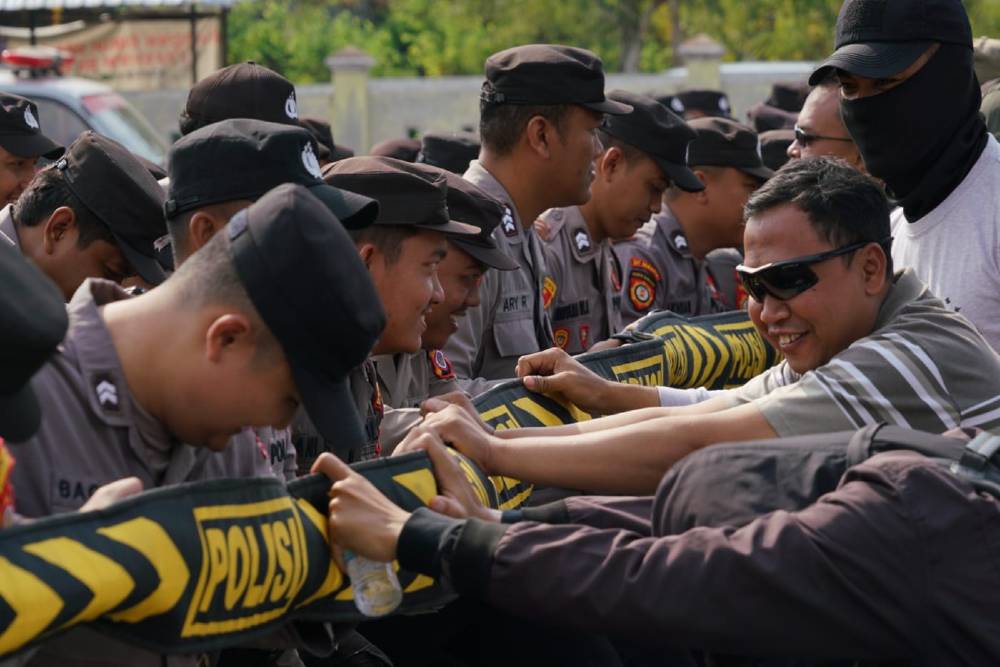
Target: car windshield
(114,117)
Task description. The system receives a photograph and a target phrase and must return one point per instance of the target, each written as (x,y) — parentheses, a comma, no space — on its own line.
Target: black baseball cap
(672,102)
(20,133)
(764,117)
(879,38)
(120,191)
(712,103)
(721,142)
(546,74)
(788,95)
(452,151)
(289,239)
(322,134)
(413,195)
(34,323)
(467,203)
(242,158)
(243,90)
(659,133)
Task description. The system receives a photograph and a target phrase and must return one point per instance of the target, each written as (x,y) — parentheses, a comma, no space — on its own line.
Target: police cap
(879,38)
(544,74)
(452,151)
(242,158)
(774,147)
(722,142)
(243,90)
(659,133)
(412,195)
(764,117)
(713,103)
(321,132)
(34,323)
(120,191)
(469,204)
(20,133)
(403,148)
(282,245)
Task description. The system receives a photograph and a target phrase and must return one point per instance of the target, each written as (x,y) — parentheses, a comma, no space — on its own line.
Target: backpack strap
(859,447)
(979,457)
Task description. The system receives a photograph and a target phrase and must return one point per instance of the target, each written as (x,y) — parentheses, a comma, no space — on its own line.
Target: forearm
(590,426)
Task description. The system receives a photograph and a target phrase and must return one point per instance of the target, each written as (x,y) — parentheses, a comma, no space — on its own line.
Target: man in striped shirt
(861,344)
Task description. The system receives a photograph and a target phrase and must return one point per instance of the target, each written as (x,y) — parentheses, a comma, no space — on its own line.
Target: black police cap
(20,133)
(659,133)
(764,117)
(242,158)
(469,204)
(34,323)
(774,147)
(672,102)
(412,195)
(721,142)
(452,152)
(713,103)
(403,148)
(545,74)
(788,96)
(303,274)
(243,90)
(879,38)
(321,132)
(120,191)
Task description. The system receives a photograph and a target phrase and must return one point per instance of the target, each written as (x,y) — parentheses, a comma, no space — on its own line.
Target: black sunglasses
(788,278)
(804,138)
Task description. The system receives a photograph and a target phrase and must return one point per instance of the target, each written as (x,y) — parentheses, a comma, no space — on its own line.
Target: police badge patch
(440,365)
(549,289)
(585,337)
(642,280)
(561,337)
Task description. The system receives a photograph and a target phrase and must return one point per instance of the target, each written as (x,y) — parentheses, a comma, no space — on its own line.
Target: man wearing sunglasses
(820,130)
(861,345)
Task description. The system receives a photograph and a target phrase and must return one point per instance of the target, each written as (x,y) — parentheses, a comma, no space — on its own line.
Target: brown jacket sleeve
(891,565)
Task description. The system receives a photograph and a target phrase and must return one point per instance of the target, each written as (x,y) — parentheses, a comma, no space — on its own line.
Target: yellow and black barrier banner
(712,351)
(196,567)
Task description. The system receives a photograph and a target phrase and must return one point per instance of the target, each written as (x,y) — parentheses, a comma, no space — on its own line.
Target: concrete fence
(364,111)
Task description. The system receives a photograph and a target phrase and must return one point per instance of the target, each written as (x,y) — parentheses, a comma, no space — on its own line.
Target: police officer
(136,378)
(540,108)
(241,90)
(663,263)
(452,151)
(401,251)
(21,145)
(644,152)
(407,380)
(68,224)
(204,192)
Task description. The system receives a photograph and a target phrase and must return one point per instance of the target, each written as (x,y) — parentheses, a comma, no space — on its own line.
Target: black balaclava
(923,136)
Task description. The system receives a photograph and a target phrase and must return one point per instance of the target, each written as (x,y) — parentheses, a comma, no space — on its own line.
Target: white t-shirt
(955,249)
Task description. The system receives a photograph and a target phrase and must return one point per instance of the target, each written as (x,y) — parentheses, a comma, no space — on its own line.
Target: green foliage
(443,37)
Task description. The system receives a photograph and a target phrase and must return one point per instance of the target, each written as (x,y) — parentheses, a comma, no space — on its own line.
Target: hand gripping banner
(712,351)
(195,567)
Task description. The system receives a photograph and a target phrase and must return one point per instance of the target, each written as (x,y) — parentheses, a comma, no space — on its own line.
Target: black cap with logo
(672,102)
(412,195)
(712,103)
(879,38)
(288,237)
(118,189)
(468,204)
(548,74)
(243,90)
(34,323)
(20,133)
(722,142)
(452,152)
(242,158)
(321,132)
(657,132)
(774,147)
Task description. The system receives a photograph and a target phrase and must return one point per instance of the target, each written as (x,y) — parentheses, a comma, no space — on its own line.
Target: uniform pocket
(515,337)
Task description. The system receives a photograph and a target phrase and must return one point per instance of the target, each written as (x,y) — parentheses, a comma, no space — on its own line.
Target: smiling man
(861,345)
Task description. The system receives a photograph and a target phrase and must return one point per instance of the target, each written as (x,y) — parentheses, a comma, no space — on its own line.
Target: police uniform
(582,282)
(407,380)
(8,232)
(723,283)
(660,272)
(584,277)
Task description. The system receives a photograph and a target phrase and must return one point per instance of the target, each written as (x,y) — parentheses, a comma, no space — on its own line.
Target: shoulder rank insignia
(582,240)
(507,222)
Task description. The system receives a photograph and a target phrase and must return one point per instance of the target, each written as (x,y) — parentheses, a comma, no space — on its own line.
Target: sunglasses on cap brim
(788,278)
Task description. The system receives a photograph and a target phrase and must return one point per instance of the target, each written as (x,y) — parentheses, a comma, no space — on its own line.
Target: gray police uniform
(723,283)
(308,442)
(7,229)
(276,443)
(406,380)
(92,433)
(661,273)
(583,282)
(510,320)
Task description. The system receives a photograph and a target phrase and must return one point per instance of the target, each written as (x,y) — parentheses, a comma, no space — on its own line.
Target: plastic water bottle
(376,589)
